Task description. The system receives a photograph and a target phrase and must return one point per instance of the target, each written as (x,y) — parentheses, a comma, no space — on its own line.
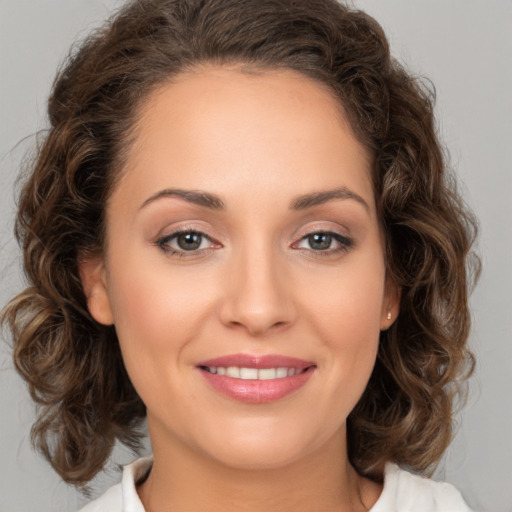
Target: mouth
(244,373)
(256,379)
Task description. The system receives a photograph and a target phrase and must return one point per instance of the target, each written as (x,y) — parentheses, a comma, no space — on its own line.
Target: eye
(181,242)
(324,241)
(189,241)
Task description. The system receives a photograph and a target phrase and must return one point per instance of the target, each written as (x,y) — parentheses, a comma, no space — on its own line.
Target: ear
(94,282)
(390,304)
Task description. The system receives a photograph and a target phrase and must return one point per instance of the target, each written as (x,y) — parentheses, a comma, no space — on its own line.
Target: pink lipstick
(256,379)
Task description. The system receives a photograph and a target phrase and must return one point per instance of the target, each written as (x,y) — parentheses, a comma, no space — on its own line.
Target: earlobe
(93,277)
(390,304)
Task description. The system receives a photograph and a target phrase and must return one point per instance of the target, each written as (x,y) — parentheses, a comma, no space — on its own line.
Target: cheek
(346,318)
(348,302)
(157,311)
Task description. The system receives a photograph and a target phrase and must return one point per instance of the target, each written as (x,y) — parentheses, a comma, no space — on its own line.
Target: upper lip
(254,361)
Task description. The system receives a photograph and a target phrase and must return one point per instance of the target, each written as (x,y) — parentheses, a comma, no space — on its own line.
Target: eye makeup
(186,242)
(324,243)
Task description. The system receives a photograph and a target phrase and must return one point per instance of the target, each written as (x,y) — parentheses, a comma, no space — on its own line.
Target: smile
(256,379)
(236,372)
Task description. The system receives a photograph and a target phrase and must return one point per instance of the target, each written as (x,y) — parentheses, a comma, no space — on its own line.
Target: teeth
(282,372)
(233,371)
(248,373)
(267,374)
(236,372)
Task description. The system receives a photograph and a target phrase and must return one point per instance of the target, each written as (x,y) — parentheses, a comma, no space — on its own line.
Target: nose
(258,293)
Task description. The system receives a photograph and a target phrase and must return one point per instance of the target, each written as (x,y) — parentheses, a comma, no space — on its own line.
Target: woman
(240,226)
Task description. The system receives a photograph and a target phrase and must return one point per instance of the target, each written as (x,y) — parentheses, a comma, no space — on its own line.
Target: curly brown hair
(73,365)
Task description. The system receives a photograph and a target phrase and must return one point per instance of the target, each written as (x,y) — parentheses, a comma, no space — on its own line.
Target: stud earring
(389,315)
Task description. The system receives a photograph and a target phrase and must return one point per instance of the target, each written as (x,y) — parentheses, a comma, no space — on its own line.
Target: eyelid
(322,226)
(344,241)
(162,241)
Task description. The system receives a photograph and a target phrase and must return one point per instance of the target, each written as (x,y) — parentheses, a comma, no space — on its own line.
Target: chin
(258,447)
(260,456)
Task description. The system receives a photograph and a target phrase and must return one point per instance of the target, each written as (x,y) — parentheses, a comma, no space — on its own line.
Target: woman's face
(244,269)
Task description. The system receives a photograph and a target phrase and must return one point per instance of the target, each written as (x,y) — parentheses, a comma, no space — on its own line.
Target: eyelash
(162,243)
(344,242)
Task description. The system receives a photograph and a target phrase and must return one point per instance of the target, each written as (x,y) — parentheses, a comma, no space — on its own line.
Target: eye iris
(320,241)
(189,241)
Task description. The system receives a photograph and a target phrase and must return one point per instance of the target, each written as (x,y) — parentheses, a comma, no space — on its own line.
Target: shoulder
(123,496)
(111,501)
(404,491)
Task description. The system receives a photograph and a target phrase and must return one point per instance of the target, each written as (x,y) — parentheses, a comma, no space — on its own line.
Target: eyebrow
(192,196)
(319,198)
(214,202)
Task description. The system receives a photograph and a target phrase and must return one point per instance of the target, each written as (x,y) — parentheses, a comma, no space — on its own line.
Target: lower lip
(257,391)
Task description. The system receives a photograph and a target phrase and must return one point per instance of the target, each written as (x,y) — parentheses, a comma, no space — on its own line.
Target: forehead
(212,127)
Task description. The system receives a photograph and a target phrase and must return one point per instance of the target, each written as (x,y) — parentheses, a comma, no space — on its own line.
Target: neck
(184,480)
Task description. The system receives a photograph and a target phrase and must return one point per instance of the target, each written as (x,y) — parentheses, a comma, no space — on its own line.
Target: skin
(257,285)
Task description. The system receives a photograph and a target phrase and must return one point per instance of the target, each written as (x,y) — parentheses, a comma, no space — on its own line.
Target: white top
(403,492)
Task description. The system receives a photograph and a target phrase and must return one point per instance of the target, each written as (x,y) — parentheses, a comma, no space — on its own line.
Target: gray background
(465,47)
